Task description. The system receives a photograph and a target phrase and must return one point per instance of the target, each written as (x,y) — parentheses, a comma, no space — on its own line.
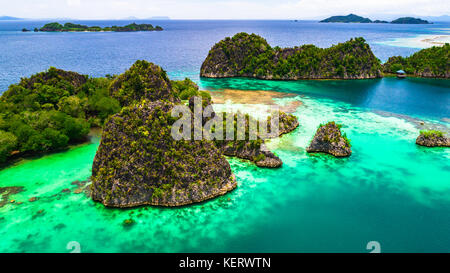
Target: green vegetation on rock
(429,63)
(432,133)
(249,55)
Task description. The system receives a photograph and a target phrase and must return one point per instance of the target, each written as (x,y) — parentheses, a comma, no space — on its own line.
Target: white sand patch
(420,41)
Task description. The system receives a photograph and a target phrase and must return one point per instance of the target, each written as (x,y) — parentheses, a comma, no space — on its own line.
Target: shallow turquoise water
(390,191)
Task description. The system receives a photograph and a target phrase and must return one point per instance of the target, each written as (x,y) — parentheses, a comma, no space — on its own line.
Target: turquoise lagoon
(389,190)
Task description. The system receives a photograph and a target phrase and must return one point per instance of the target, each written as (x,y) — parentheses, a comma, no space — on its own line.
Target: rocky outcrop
(433,139)
(256,150)
(144,80)
(253,150)
(328,139)
(246,55)
(139,163)
(287,123)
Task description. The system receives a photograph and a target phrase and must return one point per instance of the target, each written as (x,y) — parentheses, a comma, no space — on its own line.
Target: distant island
(57,27)
(353,18)
(9,18)
(409,20)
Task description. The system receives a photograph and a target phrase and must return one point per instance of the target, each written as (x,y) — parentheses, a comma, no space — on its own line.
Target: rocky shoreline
(256,150)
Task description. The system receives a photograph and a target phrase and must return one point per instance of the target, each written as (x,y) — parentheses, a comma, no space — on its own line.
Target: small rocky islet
(329,139)
(252,149)
(433,138)
(256,150)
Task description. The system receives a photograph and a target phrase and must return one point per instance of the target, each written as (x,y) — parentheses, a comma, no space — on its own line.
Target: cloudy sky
(221,9)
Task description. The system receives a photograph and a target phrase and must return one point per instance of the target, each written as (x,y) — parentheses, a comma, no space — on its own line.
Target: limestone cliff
(139,163)
(246,55)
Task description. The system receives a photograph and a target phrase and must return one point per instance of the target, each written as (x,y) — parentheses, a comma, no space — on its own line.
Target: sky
(221,9)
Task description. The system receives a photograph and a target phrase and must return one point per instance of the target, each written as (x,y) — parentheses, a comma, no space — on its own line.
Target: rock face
(432,139)
(230,56)
(246,55)
(139,163)
(144,80)
(328,139)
